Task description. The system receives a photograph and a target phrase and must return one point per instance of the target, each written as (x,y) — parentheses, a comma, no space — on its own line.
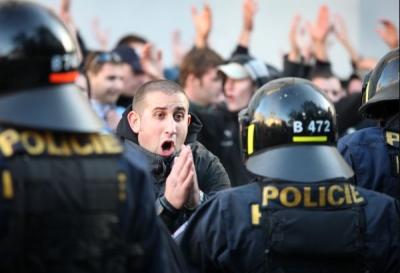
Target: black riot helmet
(39,61)
(289,132)
(381,87)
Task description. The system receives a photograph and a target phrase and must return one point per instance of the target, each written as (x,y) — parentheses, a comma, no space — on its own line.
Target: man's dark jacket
(211,175)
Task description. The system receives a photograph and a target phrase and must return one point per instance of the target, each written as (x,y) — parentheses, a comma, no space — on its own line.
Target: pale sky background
(156,19)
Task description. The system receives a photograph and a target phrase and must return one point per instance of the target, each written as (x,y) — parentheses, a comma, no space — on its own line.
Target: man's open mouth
(168,148)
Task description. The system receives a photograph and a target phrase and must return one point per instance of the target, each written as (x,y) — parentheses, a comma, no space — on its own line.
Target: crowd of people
(112,162)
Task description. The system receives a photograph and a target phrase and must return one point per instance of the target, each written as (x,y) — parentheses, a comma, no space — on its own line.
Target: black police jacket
(73,203)
(330,226)
(211,174)
(373,153)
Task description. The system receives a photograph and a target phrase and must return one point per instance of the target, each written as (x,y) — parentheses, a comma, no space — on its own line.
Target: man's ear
(189,119)
(134,121)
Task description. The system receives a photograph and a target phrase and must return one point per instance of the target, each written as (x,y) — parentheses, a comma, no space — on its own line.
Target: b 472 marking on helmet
(64,62)
(315,126)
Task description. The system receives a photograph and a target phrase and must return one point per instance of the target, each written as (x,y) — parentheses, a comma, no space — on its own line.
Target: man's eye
(178,116)
(159,115)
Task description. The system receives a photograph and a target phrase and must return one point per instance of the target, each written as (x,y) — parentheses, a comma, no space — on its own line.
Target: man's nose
(171,126)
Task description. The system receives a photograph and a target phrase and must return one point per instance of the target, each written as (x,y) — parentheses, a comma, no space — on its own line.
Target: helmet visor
(58,108)
(389,75)
(305,163)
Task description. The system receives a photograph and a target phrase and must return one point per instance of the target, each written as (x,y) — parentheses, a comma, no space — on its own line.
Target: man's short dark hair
(197,61)
(165,86)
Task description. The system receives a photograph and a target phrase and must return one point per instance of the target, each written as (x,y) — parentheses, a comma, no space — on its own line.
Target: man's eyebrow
(163,108)
(180,108)
(159,108)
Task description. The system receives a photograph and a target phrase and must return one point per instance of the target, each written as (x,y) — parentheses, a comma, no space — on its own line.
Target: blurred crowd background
(103,22)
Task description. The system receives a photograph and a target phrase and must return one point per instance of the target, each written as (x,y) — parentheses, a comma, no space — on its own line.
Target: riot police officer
(373,152)
(301,214)
(71,200)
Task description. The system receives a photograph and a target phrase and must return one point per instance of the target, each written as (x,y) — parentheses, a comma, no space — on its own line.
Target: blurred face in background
(354,86)
(107,84)
(132,80)
(210,87)
(332,87)
(238,93)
